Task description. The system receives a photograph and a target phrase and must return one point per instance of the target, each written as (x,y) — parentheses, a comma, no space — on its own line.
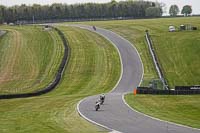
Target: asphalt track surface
(115,115)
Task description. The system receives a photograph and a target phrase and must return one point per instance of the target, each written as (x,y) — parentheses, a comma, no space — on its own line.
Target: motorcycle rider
(94,27)
(102,98)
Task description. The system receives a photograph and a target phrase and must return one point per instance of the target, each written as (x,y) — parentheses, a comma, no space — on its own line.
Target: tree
(153,12)
(113,9)
(160,5)
(2,13)
(187,9)
(174,10)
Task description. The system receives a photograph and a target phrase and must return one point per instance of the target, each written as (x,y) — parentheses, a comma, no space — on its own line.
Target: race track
(115,114)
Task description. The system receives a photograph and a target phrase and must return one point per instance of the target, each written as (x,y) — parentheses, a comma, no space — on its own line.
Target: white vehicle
(172,28)
(11,24)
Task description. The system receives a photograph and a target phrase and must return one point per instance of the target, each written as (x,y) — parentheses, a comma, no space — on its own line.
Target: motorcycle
(97,107)
(101,101)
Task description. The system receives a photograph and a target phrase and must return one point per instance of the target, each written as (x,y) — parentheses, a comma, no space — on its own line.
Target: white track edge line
(140,84)
(154,118)
(128,93)
(110,91)
(77,108)
(135,50)
(122,66)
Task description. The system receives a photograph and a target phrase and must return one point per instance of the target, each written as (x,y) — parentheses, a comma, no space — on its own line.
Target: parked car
(172,28)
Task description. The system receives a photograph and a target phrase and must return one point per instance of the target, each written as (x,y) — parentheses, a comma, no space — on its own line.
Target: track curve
(115,114)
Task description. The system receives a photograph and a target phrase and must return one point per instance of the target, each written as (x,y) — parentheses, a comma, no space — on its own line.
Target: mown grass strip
(29,59)
(57,77)
(94,67)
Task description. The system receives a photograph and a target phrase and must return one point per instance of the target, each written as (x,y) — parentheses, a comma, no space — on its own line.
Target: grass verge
(179,109)
(29,58)
(94,67)
(178,54)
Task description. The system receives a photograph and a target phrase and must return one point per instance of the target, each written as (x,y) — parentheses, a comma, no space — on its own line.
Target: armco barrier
(155,60)
(195,87)
(146,90)
(54,83)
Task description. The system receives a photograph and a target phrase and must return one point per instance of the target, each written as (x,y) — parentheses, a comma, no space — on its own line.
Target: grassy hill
(179,56)
(29,59)
(178,52)
(94,67)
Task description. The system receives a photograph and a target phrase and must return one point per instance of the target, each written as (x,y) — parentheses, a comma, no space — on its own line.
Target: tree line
(174,10)
(113,9)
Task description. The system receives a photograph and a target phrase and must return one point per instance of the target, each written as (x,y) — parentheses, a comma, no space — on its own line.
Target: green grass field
(29,59)
(178,52)
(94,67)
(179,56)
(179,109)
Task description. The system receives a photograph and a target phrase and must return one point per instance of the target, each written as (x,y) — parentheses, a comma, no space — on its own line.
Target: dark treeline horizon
(113,9)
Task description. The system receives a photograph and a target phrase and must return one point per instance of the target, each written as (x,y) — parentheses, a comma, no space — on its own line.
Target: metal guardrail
(56,80)
(155,60)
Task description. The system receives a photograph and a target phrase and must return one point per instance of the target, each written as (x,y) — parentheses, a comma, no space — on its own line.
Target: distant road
(115,114)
